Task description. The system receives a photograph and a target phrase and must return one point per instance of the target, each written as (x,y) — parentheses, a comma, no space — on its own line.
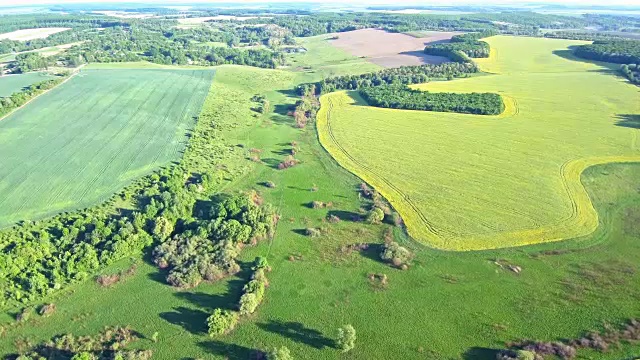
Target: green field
(10,84)
(84,140)
(431,311)
(466,182)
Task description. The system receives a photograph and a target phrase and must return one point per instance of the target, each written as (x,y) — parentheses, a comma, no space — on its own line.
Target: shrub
(288,162)
(346,338)
(313,232)
(282,353)
(395,254)
(375,216)
(47,309)
(222,321)
(107,280)
(270,184)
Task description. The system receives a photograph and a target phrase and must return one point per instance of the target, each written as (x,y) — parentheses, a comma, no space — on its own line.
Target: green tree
(346,338)
(282,353)
(375,216)
(222,321)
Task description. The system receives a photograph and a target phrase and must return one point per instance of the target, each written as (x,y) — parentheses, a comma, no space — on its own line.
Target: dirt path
(75,72)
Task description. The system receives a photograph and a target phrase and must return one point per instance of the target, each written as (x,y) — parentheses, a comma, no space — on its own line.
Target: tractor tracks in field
(406,198)
(581,220)
(76,72)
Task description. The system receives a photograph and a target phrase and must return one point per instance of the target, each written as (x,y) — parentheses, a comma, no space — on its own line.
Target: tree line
(17,99)
(614,51)
(403,97)
(631,72)
(402,75)
(463,47)
(41,257)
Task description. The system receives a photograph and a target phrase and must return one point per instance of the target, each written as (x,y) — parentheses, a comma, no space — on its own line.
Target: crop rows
(83,141)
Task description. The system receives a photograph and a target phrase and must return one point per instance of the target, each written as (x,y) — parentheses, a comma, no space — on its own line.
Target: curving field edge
(582,221)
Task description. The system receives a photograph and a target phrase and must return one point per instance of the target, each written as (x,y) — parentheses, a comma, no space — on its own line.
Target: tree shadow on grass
(231,351)
(271,162)
(299,333)
(192,320)
(568,54)
(372,252)
(480,353)
(628,120)
(345,215)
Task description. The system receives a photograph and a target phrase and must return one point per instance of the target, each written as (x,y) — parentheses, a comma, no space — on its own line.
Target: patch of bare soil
(391,49)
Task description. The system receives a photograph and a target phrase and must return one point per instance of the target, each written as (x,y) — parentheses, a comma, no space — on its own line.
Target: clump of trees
(307,107)
(108,345)
(631,72)
(255,288)
(17,99)
(614,51)
(282,353)
(403,75)
(403,97)
(463,47)
(346,338)
(222,321)
(208,247)
(396,255)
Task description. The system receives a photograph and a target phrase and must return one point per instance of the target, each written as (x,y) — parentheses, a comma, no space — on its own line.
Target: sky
(355,2)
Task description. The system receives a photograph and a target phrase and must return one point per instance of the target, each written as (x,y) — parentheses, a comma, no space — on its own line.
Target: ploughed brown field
(391,49)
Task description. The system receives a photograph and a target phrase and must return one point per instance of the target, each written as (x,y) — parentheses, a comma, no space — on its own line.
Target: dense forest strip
(403,75)
(463,47)
(21,98)
(614,51)
(403,97)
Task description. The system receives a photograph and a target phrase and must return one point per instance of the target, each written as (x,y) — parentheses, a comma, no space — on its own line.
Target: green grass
(83,141)
(465,182)
(448,305)
(10,84)
(325,60)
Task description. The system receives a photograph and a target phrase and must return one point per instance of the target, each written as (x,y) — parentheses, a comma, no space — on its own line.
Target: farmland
(399,49)
(92,140)
(325,287)
(157,162)
(499,157)
(12,83)
(30,34)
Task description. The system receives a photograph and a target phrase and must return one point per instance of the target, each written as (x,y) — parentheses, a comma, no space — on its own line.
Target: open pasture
(391,49)
(83,141)
(10,84)
(465,182)
(31,34)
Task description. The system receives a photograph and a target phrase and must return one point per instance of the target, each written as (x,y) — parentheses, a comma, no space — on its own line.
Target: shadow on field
(372,252)
(345,215)
(194,321)
(299,333)
(568,55)
(628,120)
(480,353)
(231,351)
(271,162)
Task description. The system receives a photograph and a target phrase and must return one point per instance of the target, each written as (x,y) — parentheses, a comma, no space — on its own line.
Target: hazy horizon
(444,3)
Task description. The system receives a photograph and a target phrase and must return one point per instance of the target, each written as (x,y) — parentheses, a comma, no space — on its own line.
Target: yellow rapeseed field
(468,182)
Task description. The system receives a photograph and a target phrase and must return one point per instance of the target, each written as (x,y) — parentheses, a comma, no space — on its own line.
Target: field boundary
(582,221)
(75,72)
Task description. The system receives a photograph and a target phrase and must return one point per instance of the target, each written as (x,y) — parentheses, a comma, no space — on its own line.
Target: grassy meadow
(467,182)
(13,83)
(82,142)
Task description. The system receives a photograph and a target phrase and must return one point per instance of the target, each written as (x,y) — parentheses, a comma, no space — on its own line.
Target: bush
(346,338)
(222,321)
(47,310)
(288,162)
(375,216)
(313,232)
(279,354)
(396,255)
